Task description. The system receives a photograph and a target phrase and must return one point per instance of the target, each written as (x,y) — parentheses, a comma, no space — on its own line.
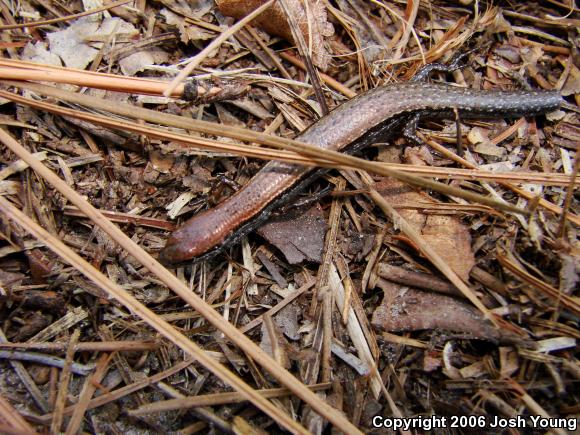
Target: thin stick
(213,400)
(332,83)
(87,392)
(11,417)
(89,346)
(568,200)
(65,376)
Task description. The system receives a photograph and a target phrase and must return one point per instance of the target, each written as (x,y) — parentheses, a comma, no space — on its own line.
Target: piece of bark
(407,309)
(46,300)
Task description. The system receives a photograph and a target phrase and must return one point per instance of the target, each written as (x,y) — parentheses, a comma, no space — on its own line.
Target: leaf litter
(367,337)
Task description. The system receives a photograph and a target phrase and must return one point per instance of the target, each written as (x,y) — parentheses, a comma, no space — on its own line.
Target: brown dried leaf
(274,22)
(483,145)
(299,235)
(161,162)
(446,234)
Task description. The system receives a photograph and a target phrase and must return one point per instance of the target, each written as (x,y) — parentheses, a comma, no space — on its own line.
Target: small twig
(88,346)
(49,360)
(414,279)
(89,388)
(568,200)
(115,216)
(27,380)
(334,84)
(270,53)
(65,377)
(9,415)
(327,308)
(111,82)
(214,400)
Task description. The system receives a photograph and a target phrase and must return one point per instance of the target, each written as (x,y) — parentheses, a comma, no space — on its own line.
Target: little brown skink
(361,121)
